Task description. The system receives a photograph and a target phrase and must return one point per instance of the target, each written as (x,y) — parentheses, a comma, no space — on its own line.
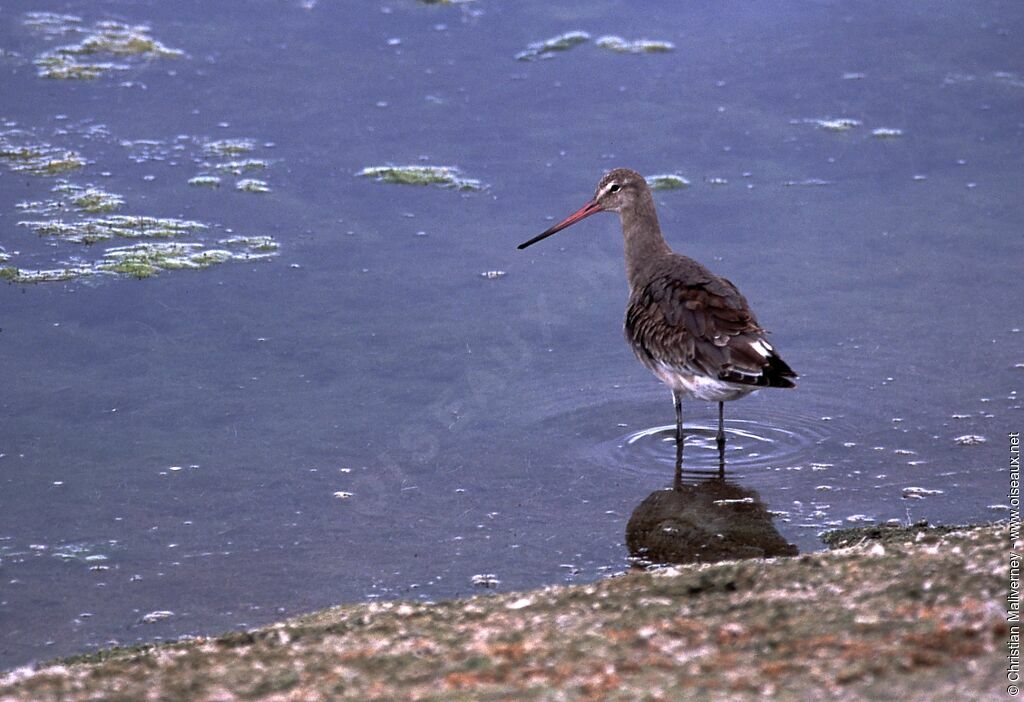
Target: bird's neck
(644,241)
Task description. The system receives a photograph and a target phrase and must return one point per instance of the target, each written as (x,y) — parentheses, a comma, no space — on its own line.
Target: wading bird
(691,328)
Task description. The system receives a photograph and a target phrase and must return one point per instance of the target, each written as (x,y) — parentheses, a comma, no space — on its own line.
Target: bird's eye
(615,188)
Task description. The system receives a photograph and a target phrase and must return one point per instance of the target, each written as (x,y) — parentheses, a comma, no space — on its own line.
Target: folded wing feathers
(702,327)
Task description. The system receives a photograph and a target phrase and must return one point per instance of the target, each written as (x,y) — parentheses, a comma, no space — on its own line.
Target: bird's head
(617,190)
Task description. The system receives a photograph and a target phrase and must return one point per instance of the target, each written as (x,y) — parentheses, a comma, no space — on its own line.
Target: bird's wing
(700,324)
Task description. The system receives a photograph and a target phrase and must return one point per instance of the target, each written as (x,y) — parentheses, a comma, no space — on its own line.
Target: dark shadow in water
(703,519)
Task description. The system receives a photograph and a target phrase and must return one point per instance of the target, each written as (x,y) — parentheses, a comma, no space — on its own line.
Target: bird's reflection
(703,518)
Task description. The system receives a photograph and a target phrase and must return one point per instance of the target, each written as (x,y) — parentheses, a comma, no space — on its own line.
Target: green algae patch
(223,157)
(639,46)
(93,229)
(62,67)
(68,161)
(241,166)
(134,267)
(91,199)
(229,147)
(205,181)
(133,226)
(255,244)
(444,176)
(87,214)
(252,185)
(22,154)
(841,124)
(13,274)
(562,42)
(95,200)
(120,39)
(107,37)
(667,181)
(147,259)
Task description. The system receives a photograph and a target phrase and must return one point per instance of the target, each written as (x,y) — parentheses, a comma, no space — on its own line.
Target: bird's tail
(757,363)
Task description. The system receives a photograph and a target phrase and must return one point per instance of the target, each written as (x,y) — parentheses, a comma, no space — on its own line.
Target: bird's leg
(678,402)
(720,438)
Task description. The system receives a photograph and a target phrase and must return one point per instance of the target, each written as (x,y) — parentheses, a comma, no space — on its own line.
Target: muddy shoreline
(916,613)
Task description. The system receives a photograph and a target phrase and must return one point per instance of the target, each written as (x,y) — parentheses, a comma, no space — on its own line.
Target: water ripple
(751,445)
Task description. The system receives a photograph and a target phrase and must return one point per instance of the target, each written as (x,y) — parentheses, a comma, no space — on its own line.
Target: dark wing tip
(775,373)
(778,373)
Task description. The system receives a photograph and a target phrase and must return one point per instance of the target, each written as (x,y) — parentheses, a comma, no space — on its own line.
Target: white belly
(701,387)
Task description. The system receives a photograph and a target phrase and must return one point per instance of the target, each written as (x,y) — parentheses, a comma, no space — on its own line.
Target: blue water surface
(369,414)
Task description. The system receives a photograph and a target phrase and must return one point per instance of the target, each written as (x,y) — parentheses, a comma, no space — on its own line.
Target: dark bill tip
(585,211)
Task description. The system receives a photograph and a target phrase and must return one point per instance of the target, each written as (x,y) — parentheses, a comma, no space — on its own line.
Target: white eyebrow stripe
(605,189)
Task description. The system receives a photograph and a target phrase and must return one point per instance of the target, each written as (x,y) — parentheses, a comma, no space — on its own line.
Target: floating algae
(83,213)
(445,176)
(206,181)
(229,150)
(36,157)
(51,23)
(640,46)
(1008,78)
(542,49)
(842,124)
(40,207)
(150,150)
(667,181)
(886,133)
(261,244)
(93,229)
(211,156)
(810,182)
(63,67)
(240,167)
(229,147)
(84,199)
(105,37)
(13,274)
(146,259)
(252,185)
(91,199)
(120,39)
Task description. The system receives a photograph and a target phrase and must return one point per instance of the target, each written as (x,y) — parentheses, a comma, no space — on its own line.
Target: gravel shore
(913,613)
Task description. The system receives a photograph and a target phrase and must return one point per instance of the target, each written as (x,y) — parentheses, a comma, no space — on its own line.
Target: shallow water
(366,415)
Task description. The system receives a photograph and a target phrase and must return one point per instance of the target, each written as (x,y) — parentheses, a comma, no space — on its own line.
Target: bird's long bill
(585,211)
